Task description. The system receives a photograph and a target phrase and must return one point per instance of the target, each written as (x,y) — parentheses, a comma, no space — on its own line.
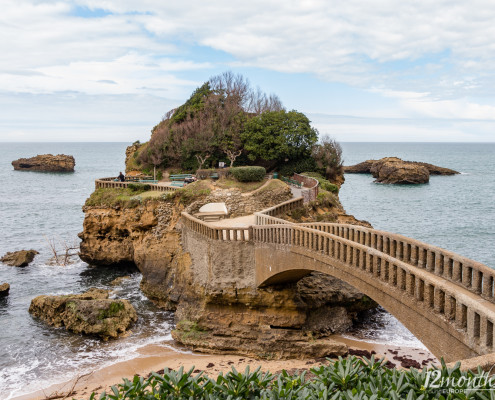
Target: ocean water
(456,213)
(36,207)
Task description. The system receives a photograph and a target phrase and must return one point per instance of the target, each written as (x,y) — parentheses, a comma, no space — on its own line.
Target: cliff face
(210,286)
(45,163)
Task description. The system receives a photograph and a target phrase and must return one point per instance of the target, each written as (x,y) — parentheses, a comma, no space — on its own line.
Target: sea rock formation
(19,258)
(365,167)
(90,313)
(220,315)
(46,163)
(4,289)
(395,171)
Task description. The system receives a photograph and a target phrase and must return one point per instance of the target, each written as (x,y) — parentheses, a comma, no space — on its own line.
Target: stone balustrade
(453,301)
(471,275)
(427,288)
(310,191)
(112,183)
(216,232)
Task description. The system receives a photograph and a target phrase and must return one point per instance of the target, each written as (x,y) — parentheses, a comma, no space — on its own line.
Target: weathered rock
(90,313)
(119,281)
(366,166)
(228,314)
(361,168)
(395,171)
(46,163)
(19,258)
(4,289)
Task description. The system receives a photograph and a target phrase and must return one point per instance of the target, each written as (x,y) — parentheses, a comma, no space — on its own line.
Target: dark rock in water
(90,313)
(394,170)
(4,289)
(366,167)
(19,258)
(46,163)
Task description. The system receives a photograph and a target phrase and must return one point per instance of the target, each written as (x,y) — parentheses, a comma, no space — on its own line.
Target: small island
(394,170)
(46,163)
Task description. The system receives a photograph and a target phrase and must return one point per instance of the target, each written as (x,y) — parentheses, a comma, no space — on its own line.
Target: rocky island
(46,163)
(230,315)
(210,285)
(393,170)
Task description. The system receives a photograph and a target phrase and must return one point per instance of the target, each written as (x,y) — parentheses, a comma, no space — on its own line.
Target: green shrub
(298,213)
(348,378)
(139,187)
(248,174)
(324,183)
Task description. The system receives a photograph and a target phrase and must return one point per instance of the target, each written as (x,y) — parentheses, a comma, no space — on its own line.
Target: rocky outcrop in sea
(20,258)
(90,313)
(393,170)
(227,315)
(46,163)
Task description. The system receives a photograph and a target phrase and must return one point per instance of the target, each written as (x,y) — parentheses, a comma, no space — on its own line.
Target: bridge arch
(451,320)
(447,301)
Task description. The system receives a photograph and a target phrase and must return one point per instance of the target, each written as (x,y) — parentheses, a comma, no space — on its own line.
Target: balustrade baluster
(410,284)
(439,300)
(477,281)
(461,316)
(488,286)
(450,307)
(420,289)
(467,276)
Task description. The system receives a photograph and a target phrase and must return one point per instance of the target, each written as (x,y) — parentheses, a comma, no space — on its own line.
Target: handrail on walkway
(111,183)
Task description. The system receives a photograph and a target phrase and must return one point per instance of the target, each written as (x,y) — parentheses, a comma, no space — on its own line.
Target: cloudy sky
(375,70)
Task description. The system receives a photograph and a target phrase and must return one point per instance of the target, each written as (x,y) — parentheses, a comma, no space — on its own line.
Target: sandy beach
(156,357)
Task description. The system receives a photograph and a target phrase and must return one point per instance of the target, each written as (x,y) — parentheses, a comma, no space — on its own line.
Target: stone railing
(111,183)
(452,302)
(267,216)
(310,185)
(210,231)
(469,274)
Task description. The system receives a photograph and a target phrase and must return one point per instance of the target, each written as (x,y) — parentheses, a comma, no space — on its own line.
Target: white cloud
(434,58)
(338,41)
(341,41)
(421,104)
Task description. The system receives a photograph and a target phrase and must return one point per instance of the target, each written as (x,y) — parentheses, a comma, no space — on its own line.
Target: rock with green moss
(89,313)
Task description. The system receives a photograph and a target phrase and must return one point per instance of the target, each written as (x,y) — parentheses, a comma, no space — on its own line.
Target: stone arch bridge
(446,300)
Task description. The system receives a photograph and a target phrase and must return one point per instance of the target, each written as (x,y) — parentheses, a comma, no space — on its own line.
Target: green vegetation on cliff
(226,120)
(136,194)
(348,378)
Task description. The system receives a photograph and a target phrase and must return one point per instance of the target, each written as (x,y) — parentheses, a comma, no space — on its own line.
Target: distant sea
(456,213)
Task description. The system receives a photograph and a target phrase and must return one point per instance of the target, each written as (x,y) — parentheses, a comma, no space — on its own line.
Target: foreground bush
(350,378)
(248,174)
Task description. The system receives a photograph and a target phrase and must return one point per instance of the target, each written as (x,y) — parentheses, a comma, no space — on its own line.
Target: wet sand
(157,357)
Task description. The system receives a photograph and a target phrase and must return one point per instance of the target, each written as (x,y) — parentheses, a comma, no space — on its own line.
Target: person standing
(121,177)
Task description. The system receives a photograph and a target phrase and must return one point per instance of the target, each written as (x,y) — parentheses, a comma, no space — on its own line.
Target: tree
(328,157)
(156,158)
(279,135)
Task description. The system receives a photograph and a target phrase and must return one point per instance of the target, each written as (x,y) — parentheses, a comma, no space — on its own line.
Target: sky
(374,70)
